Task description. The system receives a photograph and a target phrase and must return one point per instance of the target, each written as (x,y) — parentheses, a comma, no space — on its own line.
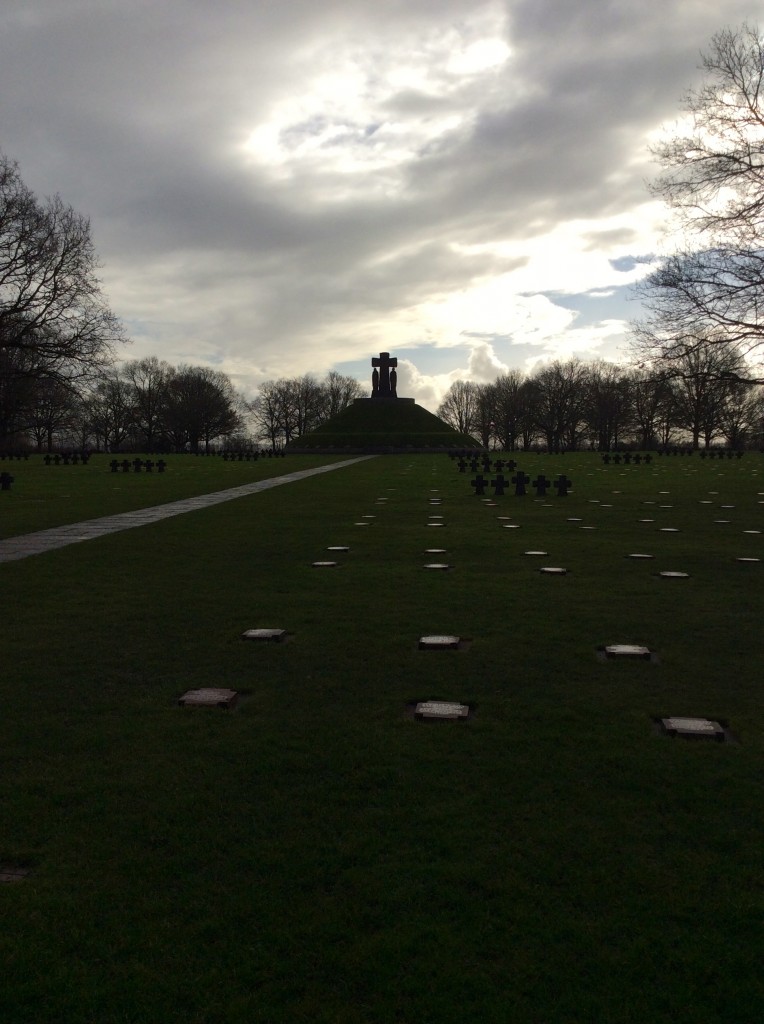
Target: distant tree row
(285,409)
(699,399)
(149,405)
(145,405)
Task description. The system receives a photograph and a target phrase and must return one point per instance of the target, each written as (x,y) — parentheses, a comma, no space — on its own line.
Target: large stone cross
(383,383)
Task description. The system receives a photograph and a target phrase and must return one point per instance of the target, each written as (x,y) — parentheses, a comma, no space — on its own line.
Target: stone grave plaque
(587,527)
(721,520)
(441,709)
(702,727)
(368,517)
(511,526)
(503,518)
(574,519)
(534,553)
(669,529)
(553,570)
(435,551)
(274,635)
(435,517)
(436,524)
(437,565)
(751,531)
(361,524)
(209,697)
(338,547)
(627,651)
(670,574)
(324,565)
(646,520)
(743,559)
(639,554)
(439,642)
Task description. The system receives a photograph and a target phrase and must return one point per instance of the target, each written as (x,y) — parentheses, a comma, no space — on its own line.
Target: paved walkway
(14,548)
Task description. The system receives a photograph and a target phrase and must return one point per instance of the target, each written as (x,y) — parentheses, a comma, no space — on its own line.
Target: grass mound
(370,424)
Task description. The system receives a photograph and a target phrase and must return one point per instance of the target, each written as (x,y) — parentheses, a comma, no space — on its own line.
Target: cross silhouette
(520,479)
(385,364)
(480,484)
(541,483)
(499,484)
(562,484)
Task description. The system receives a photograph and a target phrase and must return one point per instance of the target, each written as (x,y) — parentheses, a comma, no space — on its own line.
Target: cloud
(276,189)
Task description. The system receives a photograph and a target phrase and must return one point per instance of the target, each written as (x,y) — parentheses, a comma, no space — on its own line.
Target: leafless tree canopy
(712,288)
(54,320)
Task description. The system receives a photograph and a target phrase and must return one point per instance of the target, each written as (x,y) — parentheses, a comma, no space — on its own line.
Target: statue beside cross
(384,379)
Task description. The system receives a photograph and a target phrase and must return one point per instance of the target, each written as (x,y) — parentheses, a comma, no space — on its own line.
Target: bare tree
(704,379)
(607,404)
(149,379)
(653,402)
(459,406)
(713,179)
(339,392)
(559,390)
(51,306)
(202,406)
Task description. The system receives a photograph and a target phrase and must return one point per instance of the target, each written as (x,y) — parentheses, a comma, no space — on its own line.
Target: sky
(280,187)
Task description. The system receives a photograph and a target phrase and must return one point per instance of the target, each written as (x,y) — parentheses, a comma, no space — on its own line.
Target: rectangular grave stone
(445,710)
(209,697)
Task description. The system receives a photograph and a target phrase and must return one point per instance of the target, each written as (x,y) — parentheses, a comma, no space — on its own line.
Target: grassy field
(317,855)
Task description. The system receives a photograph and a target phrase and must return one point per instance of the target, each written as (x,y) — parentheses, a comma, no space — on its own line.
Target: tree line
(698,400)
(149,405)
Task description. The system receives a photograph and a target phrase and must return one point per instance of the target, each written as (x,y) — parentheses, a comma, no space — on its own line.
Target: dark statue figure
(384,379)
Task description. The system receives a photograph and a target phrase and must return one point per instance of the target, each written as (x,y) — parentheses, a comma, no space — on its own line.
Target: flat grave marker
(439,642)
(442,710)
(694,728)
(265,634)
(626,651)
(209,697)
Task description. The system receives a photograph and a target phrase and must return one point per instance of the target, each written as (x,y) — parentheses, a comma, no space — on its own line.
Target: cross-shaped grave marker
(480,484)
(498,484)
(562,484)
(520,480)
(541,483)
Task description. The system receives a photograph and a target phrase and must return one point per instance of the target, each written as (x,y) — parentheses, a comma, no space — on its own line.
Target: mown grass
(317,855)
(44,496)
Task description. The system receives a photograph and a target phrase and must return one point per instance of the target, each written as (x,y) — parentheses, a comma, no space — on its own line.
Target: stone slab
(627,651)
(209,697)
(439,709)
(439,642)
(703,728)
(266,634)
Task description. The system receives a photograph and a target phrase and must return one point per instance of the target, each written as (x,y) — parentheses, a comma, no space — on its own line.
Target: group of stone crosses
(137,465)
(520,480)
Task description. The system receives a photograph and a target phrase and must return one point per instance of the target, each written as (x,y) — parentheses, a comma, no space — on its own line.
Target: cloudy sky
(278,187)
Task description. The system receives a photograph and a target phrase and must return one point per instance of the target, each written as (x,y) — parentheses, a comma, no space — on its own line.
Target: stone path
(14,548)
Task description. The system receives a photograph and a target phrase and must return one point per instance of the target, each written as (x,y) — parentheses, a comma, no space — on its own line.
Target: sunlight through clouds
(277,189)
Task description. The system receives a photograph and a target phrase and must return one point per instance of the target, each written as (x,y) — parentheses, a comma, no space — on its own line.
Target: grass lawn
(316,855)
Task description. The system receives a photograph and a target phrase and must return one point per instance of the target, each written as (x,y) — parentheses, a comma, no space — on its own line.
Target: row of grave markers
(451,711)
(521,481)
